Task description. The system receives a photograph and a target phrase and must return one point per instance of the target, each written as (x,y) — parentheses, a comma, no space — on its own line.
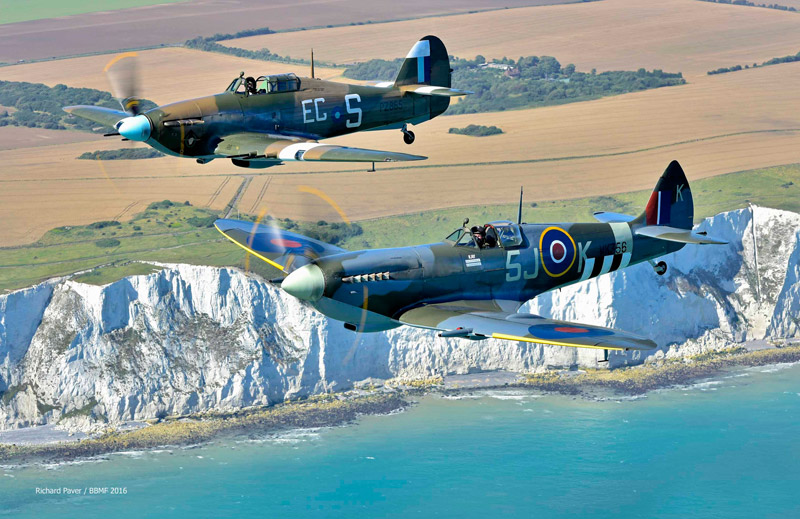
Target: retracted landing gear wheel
(660,268)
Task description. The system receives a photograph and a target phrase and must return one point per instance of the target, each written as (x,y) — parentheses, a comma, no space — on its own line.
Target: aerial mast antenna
(519,212)
(312,64)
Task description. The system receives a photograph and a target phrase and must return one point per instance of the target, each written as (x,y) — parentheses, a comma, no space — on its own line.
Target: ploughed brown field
(713,125)
(674,35)
(166,75)
(14,137)
(176,23)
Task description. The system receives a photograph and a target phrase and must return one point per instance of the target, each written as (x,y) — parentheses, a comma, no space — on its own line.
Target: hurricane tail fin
(427,63)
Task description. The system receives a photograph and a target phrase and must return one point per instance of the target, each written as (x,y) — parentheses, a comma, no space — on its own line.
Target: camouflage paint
(380,286)
(264,123)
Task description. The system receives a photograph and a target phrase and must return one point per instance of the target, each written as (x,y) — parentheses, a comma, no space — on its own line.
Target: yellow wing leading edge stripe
(254,253)
(553,343)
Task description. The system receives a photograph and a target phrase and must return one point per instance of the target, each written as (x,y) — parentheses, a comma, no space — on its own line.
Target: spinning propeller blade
(122,74)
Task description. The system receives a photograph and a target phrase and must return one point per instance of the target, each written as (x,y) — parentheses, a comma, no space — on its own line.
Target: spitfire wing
(98,114)
(282,249)
(464,319)
(664,232)
(267,146)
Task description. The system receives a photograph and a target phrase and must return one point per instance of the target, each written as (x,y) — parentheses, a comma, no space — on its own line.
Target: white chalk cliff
(189,339)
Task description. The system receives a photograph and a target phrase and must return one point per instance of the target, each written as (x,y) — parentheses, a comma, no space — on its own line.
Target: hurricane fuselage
(318,109)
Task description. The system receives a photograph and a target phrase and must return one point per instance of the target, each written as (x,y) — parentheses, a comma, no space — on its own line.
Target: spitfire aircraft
(471,284)
(265,121)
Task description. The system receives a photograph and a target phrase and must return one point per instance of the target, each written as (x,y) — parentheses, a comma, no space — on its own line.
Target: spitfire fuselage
(367,289)
(318,109)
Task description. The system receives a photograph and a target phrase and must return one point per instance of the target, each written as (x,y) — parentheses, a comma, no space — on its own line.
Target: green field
(12,11)
(179,233)
(115,271)
(777,187)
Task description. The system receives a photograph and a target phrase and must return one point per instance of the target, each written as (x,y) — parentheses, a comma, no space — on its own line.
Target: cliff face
(188,339)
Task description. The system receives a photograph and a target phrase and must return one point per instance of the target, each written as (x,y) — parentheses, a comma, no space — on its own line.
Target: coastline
(329,410)
(661,374)
(320,411)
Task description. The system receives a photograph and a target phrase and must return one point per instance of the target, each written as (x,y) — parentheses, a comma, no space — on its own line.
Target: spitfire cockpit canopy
(508,233)
(503,234)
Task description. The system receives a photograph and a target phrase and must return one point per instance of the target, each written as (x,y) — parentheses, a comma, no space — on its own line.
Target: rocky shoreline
(665,373)
(322,411)
(344,408)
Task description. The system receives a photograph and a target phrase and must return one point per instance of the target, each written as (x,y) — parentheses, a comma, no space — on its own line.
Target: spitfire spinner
(265,121)
(472,284)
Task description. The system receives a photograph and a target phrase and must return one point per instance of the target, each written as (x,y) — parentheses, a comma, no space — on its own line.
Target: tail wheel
(408,137)
(660,268)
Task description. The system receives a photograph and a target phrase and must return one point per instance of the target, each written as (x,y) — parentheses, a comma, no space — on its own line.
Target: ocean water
(727,447)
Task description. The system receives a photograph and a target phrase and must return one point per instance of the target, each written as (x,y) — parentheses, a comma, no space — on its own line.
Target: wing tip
(222,221)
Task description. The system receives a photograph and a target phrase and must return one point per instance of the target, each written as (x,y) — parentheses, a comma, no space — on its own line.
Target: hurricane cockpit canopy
(503,234)
(265,84)
(278,83)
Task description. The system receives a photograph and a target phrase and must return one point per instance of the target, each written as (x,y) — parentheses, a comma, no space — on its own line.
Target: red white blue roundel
(557,249)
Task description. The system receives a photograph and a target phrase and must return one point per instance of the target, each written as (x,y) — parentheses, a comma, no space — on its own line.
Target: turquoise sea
(727,448)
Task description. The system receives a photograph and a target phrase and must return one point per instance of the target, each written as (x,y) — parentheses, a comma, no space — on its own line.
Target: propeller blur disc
(122,73)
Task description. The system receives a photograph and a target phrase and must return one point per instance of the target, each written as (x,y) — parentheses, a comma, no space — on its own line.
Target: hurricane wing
(433,90)
(98,114)
(259,146)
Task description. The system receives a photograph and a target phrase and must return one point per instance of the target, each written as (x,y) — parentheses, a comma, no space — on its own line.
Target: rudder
(427,63)
(671,202)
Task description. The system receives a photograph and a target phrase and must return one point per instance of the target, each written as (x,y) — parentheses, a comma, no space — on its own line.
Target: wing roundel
(465,318)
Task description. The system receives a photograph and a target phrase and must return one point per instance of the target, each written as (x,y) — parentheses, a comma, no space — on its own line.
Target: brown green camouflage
(263,121)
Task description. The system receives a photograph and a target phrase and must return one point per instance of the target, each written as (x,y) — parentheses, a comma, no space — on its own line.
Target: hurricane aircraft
(472,284)
(263,121)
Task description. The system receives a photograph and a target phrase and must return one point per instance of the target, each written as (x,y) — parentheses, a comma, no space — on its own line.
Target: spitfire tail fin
(427,63)
(671,202)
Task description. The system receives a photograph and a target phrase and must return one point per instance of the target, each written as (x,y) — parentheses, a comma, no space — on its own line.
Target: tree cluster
(41,106)
(542,81)
(241,34)
(328,232)
(123,154)
(528,82)
(211,45)
(477,130)
(374,69)
(751,4)
(774,61)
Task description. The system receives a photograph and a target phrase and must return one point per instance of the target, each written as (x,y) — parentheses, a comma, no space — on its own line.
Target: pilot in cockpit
(478,235)
(250,85)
